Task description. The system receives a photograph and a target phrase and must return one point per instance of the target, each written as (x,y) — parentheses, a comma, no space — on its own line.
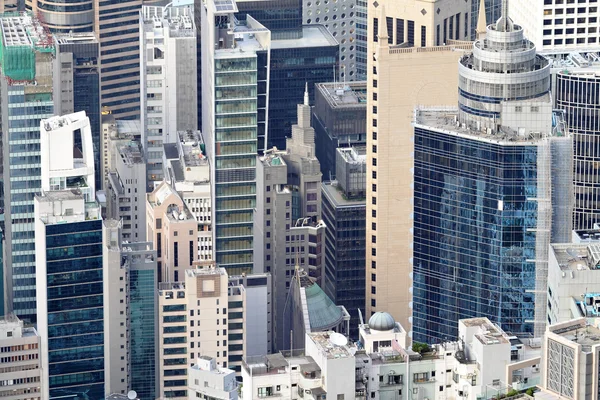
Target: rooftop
(122,129)
(60,195)
(23,29)
(577,256)
(580,62)
(335,194)
(205,271)
(179,20)
(273,158)
(489,333)
(588,234)
(57,122)
(445,119)
(312,36)
(347,95)
(582,331)
(324,342)
(192,148)
(131,153)
(75,38)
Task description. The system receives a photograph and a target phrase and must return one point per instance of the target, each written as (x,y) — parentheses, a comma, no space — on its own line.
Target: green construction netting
(18,62)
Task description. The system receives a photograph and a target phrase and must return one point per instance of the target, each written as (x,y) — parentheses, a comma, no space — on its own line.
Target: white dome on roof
(382,321)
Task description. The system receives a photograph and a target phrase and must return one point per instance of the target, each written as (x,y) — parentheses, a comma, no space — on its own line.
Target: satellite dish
(572,252)
(338,339)
(132,395)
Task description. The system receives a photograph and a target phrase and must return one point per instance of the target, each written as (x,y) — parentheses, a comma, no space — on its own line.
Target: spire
(382,31)
(481,21)
(306,94)
(504,24)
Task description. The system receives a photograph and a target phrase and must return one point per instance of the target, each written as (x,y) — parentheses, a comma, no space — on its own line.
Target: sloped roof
(323,314)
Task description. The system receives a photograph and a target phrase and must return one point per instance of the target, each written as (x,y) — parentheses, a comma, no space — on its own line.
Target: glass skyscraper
(70,294)
(487,192)
(26,95)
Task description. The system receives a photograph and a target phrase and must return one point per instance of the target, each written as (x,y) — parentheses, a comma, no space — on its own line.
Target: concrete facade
(209,380)
(21,358)
(168,80)
(174,232)
(398,80)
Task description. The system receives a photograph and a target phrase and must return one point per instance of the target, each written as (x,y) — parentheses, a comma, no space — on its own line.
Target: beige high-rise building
(404,70)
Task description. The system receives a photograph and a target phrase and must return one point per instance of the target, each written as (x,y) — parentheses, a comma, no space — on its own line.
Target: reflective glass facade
(273,14)
(142,319)
(291,69)
(475,217)
(236,139)
(493,9)
(344,279)
(22,173)
(75,310)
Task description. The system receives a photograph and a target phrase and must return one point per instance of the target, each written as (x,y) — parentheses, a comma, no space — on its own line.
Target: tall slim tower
(399,78)
(234,60)
(27,97)
(486,191)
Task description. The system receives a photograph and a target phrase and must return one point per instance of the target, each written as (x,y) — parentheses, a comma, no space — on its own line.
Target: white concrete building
(573,281)
(63,166)
(558,25)
(207,380)
(382,368)
(187,170)
(570,358)
(168,79)
(20,371)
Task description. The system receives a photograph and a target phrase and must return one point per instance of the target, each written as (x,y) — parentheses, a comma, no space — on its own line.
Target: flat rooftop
(23,29)
(351,95)
(335,194)
(57,195)
(444,119)
(312,36)
(588,234)
(131,153)
(577,256)
(58,121)
(179,20)
(583,331)
(75,38)
(205,271)
(489,333)
(323,341)
(191,145)
(272,159)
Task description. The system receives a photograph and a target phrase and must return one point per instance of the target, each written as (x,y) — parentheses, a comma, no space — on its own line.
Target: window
(421,377)
(374,148)
(374,187)
(374,83)
(374,213)
(373,239)
(373,251)
(374,162)
(424,35)
(374,200)
(373,290)
(374,123)
(373,278)
(399,31)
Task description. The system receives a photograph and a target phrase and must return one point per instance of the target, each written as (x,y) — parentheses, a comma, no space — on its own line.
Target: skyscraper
(554,25)
(26,94)
(168,80)
(487,194)
(69,282)
(234,85)
(398,79)
(77,69)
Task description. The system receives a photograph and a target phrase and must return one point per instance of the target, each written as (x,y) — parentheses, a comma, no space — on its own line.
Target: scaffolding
(21,38)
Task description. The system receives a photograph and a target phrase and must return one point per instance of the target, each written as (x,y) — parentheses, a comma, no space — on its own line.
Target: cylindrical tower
(64,16)
(504,66)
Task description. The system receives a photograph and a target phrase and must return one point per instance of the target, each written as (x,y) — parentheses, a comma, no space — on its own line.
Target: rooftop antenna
(306,94)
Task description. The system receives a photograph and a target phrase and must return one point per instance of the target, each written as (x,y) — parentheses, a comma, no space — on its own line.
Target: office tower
(187,171)
(576,92)
(316,53)
(126,188)
(202,316)
(558,25)
(287,226)
(339,119)
(340,20)
(64,16)
(481,234)
(234,86)
(21,372)
(77,69)
(130,313)
(398,80)
(309,309)
(27,90)
(569,350)
(168,80)
(116,132)
(207,380)
(275,15)
(491,9)
(117,24)
(573,280)
(173,230)
(344,215)
(69,297)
